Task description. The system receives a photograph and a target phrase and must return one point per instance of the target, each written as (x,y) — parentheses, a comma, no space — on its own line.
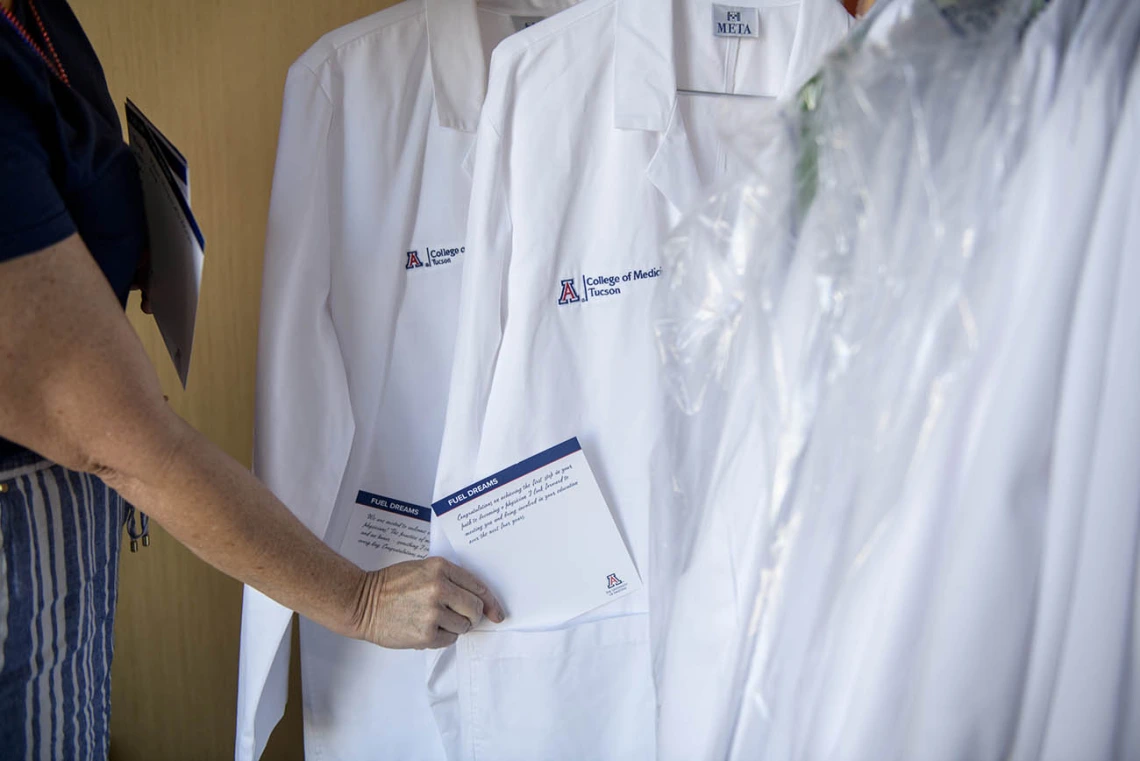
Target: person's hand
(423,604)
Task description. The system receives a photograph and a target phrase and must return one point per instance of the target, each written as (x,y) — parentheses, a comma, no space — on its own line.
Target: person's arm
(77,387)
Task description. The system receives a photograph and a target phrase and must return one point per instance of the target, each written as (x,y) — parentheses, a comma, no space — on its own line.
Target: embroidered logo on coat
(573,291)
(569,293)
(433,257)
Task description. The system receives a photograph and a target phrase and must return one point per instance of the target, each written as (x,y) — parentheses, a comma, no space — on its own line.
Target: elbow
(137,463)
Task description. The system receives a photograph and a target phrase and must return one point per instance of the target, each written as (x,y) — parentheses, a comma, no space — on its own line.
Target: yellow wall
(209,73)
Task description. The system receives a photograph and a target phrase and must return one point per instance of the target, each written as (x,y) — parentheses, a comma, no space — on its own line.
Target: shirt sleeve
(32,213)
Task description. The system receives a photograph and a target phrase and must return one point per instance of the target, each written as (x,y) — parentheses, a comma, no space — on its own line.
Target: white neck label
(735,21)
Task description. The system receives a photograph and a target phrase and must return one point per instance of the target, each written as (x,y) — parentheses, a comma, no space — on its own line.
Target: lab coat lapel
(645,81)
(645,95)
(673,168)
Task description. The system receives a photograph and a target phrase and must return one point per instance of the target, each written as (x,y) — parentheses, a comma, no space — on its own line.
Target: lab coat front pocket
(579,694)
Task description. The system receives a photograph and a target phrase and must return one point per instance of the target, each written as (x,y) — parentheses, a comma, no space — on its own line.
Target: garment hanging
(362,268)
(586,157)
(939,561)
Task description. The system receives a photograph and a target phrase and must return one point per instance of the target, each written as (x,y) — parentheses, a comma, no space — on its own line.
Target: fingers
(442,639)
(425,604)
(464,603)
(467,582)
(450,621)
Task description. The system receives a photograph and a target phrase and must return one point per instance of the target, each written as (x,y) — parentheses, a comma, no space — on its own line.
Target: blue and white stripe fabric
(60,535)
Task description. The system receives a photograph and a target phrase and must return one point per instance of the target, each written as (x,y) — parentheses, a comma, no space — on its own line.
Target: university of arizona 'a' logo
(613,581)
(413,260)
(569,293)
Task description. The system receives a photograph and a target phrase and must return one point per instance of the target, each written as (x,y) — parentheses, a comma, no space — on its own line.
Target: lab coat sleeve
(482,311)
(304,423)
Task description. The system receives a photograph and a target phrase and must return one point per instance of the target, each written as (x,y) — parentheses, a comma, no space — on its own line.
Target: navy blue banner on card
(504,477)
(393,506)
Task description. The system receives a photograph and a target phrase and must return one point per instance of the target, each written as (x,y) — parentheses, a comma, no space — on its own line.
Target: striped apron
(59,549)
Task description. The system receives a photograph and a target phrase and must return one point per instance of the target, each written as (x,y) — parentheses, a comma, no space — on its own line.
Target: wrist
(364,588)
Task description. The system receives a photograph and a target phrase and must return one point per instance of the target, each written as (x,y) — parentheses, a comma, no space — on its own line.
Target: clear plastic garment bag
(903,354)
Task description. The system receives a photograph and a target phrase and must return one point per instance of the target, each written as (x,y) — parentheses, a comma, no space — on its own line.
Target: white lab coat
(969,592)
(586,157)
(1003,580)
(356,346)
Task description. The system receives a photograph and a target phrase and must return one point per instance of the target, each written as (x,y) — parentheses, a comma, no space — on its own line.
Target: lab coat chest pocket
(574,694)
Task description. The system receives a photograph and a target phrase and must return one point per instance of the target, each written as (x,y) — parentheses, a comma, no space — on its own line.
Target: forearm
(77,387)
(208,502)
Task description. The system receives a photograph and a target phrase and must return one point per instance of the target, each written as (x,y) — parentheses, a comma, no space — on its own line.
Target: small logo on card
(734,21)
(613,582)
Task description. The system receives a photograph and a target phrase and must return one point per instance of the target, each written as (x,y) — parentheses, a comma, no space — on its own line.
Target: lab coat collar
(648,100)
(645,80)
(458,67)
(458,60)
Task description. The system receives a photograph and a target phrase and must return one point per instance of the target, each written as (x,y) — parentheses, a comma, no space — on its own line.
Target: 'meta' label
(735,21)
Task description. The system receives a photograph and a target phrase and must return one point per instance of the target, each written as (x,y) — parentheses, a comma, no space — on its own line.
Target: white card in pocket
(540,534)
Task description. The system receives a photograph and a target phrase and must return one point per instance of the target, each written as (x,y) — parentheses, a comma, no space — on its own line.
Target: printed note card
(540,534)
(383,531)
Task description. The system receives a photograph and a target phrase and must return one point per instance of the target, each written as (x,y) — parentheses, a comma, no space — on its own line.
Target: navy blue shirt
(64,167)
